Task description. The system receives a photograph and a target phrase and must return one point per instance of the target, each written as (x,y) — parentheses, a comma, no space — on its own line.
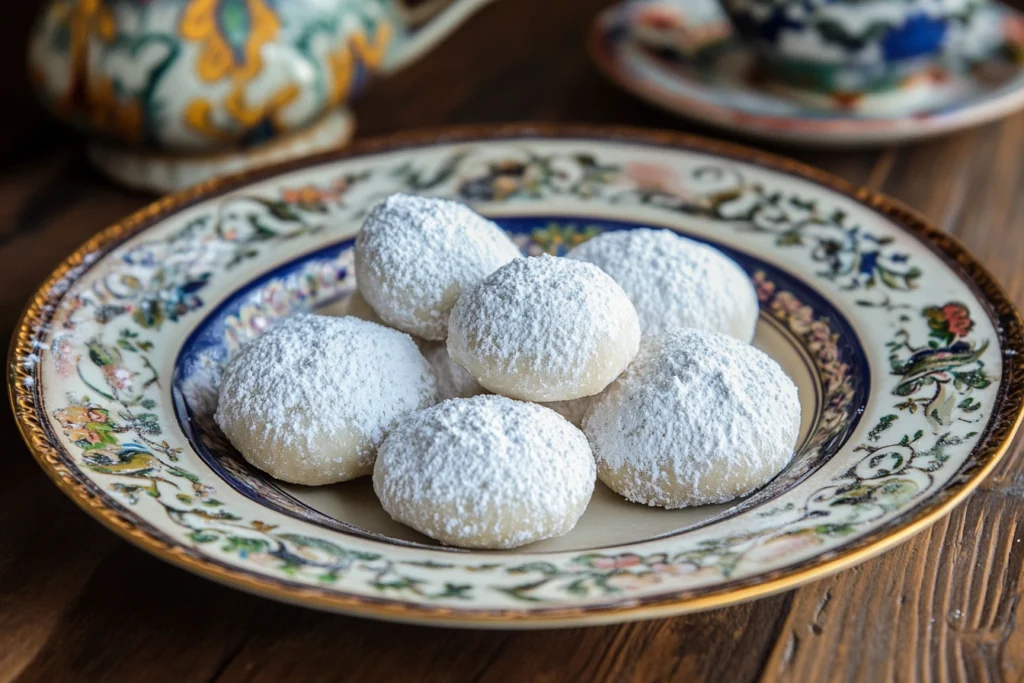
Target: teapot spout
(425,26)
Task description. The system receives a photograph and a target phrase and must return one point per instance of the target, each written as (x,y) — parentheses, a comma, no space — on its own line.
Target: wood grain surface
(76,603)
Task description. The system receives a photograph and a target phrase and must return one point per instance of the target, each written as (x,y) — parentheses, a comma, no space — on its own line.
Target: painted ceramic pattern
(853,45)
(105,356)
(685,59)
(206,75)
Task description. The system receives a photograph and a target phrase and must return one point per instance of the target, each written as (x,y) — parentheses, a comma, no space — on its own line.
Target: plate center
(800,329)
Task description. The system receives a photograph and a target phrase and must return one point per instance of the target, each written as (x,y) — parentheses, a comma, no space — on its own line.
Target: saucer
(685,58)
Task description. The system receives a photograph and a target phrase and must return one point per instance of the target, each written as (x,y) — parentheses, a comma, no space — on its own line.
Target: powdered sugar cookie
(309,401)
(544,329)
(698,418)
(675,282)
(415,255)
(485,472)
(452,381)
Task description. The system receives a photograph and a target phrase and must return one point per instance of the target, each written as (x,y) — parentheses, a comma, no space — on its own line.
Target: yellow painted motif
(199,117)
(113,115)
(217,59)
(85,20)
(271,109)
(90,93)
(359,48)
(242,62)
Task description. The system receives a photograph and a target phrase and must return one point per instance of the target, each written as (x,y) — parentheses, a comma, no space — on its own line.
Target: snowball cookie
(485,472)
(698,418)
(675,282)
(544,329)
(415,255)
(452,381)
(309,401)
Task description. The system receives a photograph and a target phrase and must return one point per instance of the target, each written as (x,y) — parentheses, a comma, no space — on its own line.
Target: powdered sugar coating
(675,282)
(544,329)
(415,255)
(485,472)
(698,418)
(309,401)
(452,381)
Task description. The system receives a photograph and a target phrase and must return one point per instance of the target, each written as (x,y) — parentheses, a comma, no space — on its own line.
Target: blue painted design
(920,36)
(771,28)
(679,80)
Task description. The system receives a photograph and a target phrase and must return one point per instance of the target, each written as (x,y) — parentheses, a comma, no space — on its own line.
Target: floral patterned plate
(682,55)
(906,352)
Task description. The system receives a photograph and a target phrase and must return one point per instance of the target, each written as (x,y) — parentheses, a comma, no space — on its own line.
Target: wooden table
(77,603)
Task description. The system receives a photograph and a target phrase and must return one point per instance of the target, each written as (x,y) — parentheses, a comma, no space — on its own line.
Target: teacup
(851,46)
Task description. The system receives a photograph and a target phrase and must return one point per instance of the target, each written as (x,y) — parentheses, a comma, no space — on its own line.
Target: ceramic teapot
(176,91)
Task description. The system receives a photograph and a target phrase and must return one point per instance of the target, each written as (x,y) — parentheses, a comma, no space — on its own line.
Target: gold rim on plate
(26,399)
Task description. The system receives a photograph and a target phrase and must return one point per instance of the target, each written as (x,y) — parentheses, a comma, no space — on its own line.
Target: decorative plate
(906,352)
(683,56)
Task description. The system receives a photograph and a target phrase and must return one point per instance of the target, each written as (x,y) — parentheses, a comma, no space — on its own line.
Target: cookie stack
(639,337)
